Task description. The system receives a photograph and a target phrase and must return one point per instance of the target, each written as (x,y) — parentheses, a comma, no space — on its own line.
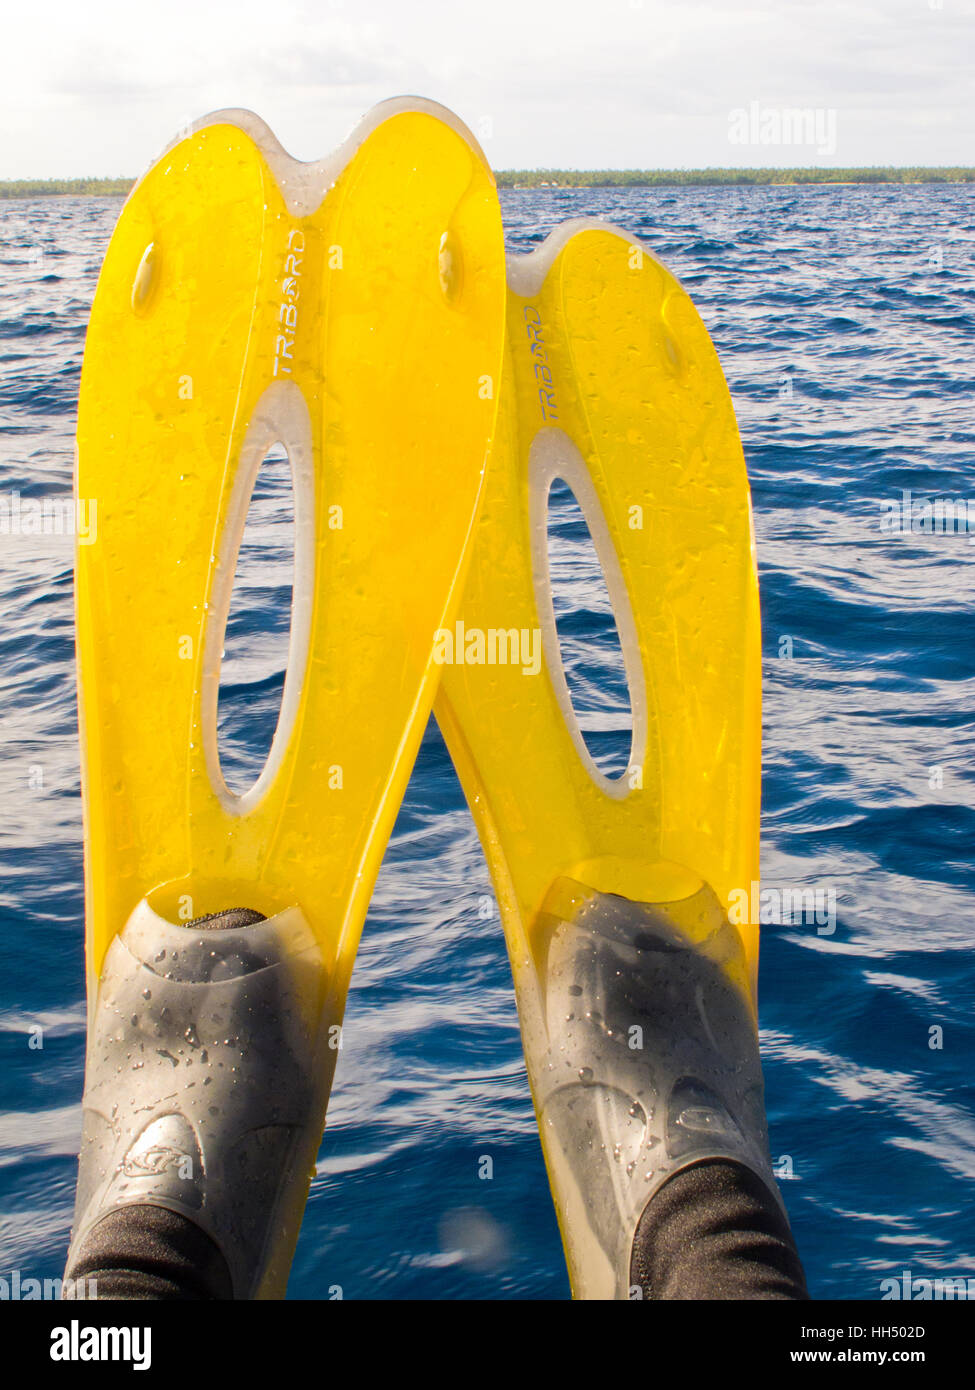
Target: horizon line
(553,176)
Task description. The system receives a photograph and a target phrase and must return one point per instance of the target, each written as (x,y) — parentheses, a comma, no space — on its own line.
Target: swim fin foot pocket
(206,1083)
(350,311)
(647,1061)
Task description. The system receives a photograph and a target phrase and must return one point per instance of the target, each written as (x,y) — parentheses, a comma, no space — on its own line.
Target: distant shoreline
(723,178)
(574,178)
(65,188)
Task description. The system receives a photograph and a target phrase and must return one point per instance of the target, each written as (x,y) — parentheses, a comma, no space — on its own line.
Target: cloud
(98,88)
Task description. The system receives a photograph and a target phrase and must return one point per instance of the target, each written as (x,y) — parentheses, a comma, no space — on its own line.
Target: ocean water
(845,320)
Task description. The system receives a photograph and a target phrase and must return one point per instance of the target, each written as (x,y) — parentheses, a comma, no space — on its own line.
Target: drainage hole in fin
(589,642)
(255,649)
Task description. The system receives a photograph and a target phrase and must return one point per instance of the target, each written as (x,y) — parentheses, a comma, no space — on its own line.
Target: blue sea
(845,320)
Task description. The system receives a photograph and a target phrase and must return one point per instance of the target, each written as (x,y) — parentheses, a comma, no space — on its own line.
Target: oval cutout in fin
(278,441)
(588,637)
(256,639)
(555,464)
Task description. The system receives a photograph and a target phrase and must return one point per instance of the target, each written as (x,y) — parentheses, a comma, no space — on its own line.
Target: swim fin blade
(352,311)
(636,993)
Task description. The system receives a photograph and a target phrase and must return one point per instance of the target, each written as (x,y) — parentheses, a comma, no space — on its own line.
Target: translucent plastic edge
(527,270)
(304,184)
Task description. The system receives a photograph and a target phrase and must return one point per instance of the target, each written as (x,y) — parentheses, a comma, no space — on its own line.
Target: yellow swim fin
(636,993)
(352,311)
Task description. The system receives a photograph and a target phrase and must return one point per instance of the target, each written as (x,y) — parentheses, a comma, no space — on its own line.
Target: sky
(99,87)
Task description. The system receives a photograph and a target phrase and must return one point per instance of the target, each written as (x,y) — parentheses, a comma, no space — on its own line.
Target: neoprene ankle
(148,1252)
(715,1231)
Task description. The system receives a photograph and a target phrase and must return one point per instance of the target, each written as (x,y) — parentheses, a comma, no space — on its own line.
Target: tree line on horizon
(677,178)
(572,178)
(47,188)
